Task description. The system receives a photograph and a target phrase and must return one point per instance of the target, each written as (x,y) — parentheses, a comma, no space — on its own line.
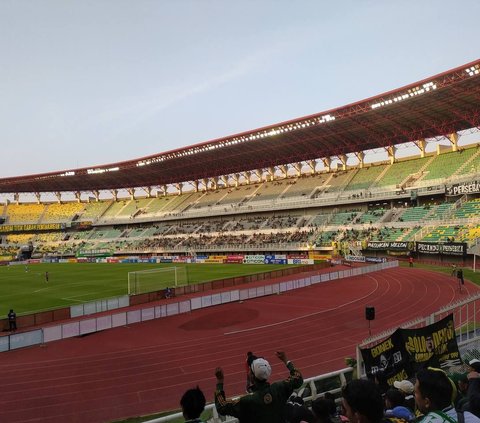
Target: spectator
(325,411)
(267,402)
(12,320)
(193,404)
(362,401)
(433,396)
(395,406)
(407,389)
(297,412)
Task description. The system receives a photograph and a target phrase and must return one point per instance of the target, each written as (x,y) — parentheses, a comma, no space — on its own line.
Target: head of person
(433,390)
(297,412)
(323,409)
(474,365)
(404,386)
(192,403)
(394,398)
(362,401)
(260,369)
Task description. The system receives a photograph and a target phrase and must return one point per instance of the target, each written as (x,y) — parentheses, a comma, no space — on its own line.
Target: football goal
(143,281)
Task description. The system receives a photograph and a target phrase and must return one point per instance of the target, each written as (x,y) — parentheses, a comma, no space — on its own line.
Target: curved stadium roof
(445,103)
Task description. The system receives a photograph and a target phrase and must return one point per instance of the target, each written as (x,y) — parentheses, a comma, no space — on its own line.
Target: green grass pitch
(27,291)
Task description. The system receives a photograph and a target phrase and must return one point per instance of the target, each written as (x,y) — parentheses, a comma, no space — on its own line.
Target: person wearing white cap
(266,404)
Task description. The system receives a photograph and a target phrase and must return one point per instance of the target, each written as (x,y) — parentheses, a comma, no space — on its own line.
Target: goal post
(151,280)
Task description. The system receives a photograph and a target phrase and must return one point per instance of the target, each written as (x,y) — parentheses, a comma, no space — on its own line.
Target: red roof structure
(443,104)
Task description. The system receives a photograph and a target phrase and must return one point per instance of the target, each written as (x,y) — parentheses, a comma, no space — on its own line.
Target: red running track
(145,368)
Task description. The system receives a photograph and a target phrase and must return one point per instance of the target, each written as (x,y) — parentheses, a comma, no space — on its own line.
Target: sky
(92,82)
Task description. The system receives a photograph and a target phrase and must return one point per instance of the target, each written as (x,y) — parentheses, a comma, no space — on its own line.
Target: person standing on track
(266,404)
(12,320)
(460,279)
(46,276)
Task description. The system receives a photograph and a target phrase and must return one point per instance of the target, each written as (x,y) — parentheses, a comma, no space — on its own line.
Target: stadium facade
(304,185)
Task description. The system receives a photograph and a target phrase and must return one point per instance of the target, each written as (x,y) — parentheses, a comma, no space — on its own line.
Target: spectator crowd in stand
(431,397)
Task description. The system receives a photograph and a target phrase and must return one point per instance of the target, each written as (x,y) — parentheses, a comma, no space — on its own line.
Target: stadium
(308,192)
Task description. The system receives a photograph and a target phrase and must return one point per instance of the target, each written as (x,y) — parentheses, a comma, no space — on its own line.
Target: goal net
(143,281)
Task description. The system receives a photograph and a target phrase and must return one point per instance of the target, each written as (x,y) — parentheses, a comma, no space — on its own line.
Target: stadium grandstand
(311,190)
(304,185)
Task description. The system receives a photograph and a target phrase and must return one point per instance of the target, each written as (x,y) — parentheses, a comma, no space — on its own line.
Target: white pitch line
(301,317)
(42,289)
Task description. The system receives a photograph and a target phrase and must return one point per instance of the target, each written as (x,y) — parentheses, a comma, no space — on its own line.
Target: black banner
(406,351)
(390,245)
(388,359)
(465,188)
(450,249)
(432,346)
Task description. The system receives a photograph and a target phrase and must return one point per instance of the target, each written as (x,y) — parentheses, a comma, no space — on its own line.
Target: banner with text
(408,350)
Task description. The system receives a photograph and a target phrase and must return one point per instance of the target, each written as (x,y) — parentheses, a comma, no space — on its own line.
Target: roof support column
(360,156)
(236,179)
(131,191)
(312,164)
(148,191)
(391,150)
(298,168)
(58,194)
(162,190)
(214,183)
(78,196)
(38,196)
(284,170)
(343,158)
(16,197)
(96,194)
(204,181)
(179,187)
(114,193)
(421,144)
(270,173)
(327,162)
(454,140)
(248,176)
(224,179)
(196,185)
(259,174)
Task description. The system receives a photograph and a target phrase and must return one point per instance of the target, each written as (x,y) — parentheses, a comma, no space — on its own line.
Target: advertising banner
(254,259)
(464,188)
(357,259)
(300,261)
(450,249)
(275,261)
(406,351)
(297,256)
(234,259)
(390,245)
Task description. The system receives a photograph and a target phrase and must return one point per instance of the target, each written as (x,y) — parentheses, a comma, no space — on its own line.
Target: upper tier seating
(61,212)
(365,177)
(446,164)
(25,213)
(398,171)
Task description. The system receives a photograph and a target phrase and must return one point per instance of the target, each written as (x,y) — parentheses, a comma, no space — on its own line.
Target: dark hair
(363,396)
(395,397)
(193,403)
(323,409)
(296,412)
(435,385)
